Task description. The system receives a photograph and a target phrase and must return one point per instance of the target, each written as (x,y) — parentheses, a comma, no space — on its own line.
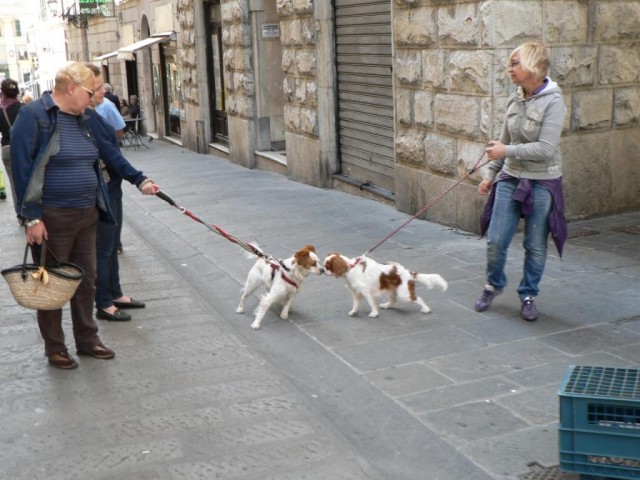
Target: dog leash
(275,264)
(478,165)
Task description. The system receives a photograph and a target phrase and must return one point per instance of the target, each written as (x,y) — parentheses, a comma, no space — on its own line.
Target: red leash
(475,168)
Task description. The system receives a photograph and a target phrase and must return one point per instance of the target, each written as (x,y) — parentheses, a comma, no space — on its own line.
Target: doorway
(217,107)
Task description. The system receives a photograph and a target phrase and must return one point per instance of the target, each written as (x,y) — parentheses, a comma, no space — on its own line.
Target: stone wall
(451,87)
(299,63)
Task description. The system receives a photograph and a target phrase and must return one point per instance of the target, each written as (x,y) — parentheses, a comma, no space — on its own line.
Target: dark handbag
(43,287)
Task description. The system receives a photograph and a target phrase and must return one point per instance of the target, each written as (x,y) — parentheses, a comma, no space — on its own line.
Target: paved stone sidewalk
(195,393)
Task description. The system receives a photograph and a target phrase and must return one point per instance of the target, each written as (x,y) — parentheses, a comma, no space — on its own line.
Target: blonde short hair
(72,72)
(534,58)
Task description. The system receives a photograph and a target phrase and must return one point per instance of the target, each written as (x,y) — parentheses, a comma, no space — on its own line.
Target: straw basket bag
(41,287)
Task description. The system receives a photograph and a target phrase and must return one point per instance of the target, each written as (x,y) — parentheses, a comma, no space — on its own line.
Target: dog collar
(358,260)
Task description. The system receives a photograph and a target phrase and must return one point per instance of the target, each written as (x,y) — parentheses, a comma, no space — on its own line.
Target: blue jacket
(35,138)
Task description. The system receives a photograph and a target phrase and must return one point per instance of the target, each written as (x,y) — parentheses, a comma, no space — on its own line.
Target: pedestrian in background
(524,178)
(109,297)
(110,94)
(124,108)
(61,192)
(10,106)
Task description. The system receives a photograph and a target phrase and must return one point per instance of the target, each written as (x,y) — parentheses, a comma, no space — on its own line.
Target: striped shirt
(70,178)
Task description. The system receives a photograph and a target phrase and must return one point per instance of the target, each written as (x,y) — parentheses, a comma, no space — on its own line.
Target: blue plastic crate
(600,421)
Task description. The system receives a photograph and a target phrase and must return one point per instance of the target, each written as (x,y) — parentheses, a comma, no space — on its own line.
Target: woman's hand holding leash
(494,151)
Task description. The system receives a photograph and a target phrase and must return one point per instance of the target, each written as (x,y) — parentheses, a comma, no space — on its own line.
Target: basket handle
(43,253)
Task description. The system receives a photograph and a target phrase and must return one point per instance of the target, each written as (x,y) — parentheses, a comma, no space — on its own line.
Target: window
(18,29)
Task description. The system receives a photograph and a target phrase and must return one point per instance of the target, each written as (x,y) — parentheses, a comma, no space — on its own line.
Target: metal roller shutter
(365,91)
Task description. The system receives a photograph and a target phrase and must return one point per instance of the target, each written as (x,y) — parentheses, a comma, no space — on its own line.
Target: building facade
(391,99)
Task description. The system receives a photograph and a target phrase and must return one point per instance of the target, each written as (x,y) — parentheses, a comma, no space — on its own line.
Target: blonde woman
(524,178)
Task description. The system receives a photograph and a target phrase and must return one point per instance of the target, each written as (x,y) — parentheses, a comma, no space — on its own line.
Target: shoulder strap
(6,117)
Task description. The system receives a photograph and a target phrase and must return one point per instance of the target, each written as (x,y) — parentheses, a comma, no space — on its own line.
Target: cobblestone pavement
(194,393)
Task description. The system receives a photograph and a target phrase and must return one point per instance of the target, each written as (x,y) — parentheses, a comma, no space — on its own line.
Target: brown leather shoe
(97,351)
(62,360)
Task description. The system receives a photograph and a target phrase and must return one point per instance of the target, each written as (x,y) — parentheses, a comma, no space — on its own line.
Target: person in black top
(108,93)
(10,105)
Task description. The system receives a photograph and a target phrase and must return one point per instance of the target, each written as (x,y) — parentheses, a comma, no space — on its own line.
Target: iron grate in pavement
(628,229)
(581,232)
(540,472)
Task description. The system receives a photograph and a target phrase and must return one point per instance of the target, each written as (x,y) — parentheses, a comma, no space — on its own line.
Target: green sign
(93,8)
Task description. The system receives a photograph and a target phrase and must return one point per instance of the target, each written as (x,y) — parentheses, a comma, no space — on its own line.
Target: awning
(126,53)
(105,56)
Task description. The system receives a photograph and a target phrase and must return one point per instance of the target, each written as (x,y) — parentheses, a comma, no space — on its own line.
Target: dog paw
(255,326)
(284,316)
(385,305)
(425,310)
(373,314)
(239,310)
(353,313)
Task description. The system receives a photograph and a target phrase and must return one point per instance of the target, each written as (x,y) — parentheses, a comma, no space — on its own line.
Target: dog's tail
(431,280)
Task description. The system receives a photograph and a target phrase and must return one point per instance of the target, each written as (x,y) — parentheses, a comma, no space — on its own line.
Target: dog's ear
(302,255)
(309,248)
(337,265)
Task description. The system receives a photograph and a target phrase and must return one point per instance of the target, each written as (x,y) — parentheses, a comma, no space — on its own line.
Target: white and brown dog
(282,279)
(364,277)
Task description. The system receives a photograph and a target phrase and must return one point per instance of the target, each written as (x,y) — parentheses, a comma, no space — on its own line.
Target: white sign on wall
(270,30)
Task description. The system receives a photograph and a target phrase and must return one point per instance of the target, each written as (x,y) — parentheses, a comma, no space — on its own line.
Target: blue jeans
(502,228)
(108,268)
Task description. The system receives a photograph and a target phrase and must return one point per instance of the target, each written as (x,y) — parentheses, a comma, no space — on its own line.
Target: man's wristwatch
(31,223)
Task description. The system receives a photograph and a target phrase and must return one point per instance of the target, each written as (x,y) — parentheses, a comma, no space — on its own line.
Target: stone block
(415,27)
(312,93)
(309,121)
(423,105)
(510,22)
(592,109)
(404,100)
(565,22)
(408,68)
(306,61)
(440,153)
(575,65)
(492,113)
(284,8)
(295,32)
(619,64)
(416,188)
(617,20)
(457,114)
(459,25)
(303,7)
(470,71)
(240,132)
(308,33)
(408,3)
(626,106)
(470,155)
(288,87)
(244,83)
(410,147)
(587,172)
(623,155)
(433,73)
(304,161)
(288,62)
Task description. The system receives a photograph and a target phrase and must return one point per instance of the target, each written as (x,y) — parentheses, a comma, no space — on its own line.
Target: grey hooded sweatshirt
(531,134)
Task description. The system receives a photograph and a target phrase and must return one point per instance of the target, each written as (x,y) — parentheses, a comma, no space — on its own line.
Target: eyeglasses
(90,92)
